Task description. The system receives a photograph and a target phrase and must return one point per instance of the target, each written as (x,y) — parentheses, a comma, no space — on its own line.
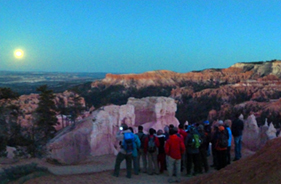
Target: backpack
(142,139)
(195,141)
(151,145)
(223,139)
(128,142)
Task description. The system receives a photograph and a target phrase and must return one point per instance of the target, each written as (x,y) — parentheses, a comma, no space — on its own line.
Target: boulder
(95,134)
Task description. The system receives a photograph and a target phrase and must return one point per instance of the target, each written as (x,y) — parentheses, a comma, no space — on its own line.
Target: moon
(18,53)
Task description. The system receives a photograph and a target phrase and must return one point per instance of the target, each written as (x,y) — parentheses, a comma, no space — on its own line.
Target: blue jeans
(238,145)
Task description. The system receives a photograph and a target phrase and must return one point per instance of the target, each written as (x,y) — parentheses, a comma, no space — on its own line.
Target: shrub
(16,172)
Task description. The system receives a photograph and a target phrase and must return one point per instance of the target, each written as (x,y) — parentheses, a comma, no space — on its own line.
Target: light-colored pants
(152,163)
(142,155)
(174,163)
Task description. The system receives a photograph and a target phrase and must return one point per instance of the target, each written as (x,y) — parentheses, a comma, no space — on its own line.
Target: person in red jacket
(151,145)
(174,149)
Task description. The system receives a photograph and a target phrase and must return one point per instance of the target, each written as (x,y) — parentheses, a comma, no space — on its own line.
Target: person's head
(159,132)
(200,128)
(227,122)
(192,129)
(181,126)
(151,131)
(171,126)
(166,129)
(221,128)
(220,122)
(140,128)
(125,126)
(132,130)
(171,131)
(206,122)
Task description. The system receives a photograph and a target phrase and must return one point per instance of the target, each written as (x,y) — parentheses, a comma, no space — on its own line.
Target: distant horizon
(129,72)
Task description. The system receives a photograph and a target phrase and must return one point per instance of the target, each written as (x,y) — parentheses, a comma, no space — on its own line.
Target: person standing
(136,146)
(192,145)
(237,130)
(141,154)
(151,145)
(227,127)
(221,147)
(161,159)
(174,149)
(203,161)
(125,151)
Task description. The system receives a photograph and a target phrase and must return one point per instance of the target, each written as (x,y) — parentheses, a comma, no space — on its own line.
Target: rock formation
(239,72)
(95,135)
(28,104)
(271,132)
(255,137)
(251,133)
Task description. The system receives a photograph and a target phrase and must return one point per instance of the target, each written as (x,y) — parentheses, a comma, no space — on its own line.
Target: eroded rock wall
(95,135)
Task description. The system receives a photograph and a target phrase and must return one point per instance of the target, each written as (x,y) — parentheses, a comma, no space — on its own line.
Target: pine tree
(45,119)
(6,110)
(75,107)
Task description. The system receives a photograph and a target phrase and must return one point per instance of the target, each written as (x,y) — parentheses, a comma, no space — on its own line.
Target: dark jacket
(237,127)
(142,137)
(189,148)
(161,148)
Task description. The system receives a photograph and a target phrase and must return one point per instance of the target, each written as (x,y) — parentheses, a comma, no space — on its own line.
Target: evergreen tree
(45,120)
(7,111)
(75,107)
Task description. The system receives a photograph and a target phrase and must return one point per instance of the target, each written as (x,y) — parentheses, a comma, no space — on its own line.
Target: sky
(135,36)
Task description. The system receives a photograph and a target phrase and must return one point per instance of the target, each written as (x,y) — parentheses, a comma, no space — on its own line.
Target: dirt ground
(99,170)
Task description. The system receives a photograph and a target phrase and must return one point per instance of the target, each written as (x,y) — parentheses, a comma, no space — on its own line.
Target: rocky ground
(99,170)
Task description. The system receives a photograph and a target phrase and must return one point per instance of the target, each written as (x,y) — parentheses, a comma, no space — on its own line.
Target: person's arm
(137,140)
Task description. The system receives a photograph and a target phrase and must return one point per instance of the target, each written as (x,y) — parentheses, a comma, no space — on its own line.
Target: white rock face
(271,132)
(95,135)
(251,133)
(255,137)
(154,112)
(10,152)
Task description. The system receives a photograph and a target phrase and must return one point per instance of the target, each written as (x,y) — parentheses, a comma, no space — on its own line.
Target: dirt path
(95,170)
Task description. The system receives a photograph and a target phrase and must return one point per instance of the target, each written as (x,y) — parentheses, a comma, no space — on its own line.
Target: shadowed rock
(95,135)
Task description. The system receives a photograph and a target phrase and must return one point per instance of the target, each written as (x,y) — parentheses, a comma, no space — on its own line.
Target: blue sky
(135,36)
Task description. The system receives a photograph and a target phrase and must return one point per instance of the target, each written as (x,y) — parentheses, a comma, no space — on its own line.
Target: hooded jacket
(174,147)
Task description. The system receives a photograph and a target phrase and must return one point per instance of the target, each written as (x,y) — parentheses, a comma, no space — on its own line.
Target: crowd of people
(178,149)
